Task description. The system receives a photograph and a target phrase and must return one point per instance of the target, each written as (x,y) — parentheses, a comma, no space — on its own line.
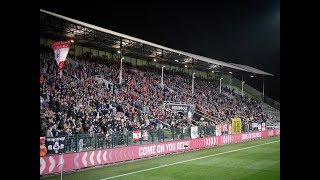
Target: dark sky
(244,32)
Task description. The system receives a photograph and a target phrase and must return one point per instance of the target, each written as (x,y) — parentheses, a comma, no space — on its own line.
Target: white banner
(145,135)
(194,132)
(80,145)
(218,132)
(259,127)
(136,135)
(225,128)
(254,125)
(263,126)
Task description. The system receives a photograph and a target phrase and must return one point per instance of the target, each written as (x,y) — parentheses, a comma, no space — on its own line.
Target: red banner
(72,161)
(60,44)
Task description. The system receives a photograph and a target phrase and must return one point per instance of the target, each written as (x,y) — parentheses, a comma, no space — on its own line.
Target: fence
(86,142)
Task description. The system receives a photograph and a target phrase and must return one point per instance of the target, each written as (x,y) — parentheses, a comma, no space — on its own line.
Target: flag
(61,49)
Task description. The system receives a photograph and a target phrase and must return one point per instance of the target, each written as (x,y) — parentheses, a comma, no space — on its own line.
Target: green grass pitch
(258,159)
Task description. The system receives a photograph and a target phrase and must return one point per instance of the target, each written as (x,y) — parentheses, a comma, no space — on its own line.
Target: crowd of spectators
(77,103)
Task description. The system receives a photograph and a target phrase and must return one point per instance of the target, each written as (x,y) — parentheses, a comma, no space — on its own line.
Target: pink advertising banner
(72,161)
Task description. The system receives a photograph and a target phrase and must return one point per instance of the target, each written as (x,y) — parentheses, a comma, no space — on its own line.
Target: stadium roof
(252,69)
(56,26)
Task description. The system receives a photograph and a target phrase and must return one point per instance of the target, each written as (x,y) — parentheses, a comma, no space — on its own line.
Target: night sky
(240,32)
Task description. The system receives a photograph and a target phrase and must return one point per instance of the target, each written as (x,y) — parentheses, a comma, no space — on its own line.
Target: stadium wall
(74,161)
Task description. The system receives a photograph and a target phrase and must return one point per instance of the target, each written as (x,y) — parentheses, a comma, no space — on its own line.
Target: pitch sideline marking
(188,160)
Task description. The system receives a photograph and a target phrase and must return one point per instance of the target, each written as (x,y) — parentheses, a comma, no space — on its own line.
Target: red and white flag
(61,49)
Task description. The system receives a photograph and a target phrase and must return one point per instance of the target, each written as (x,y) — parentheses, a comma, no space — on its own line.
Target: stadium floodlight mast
(262,87)
(242,88)
(193,82)
(121,59)
(120,73)
(162,75)
(220,84)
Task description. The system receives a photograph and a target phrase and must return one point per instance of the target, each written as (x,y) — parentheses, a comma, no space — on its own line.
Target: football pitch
(258,159)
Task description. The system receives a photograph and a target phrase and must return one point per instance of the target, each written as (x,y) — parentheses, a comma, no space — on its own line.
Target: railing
(86,142)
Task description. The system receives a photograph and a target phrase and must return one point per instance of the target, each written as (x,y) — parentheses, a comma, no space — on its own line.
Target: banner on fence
(259,127)
(145,135)
(225,127)
(218,129)
(80,145)
(254,125)
(55,145)
(186,109)
(194,132)
(236,125)
(229,129)
(136,135)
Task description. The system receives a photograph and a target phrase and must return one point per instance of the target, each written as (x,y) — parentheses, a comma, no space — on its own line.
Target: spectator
(71,105)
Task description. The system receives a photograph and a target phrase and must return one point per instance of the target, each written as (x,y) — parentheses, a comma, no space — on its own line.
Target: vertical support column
(242,82)
(263,88)
(120,73)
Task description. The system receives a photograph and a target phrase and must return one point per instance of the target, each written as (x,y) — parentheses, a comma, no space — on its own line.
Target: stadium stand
(79,104)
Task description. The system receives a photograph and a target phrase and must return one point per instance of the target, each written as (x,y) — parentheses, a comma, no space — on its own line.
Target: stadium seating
(78,103)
